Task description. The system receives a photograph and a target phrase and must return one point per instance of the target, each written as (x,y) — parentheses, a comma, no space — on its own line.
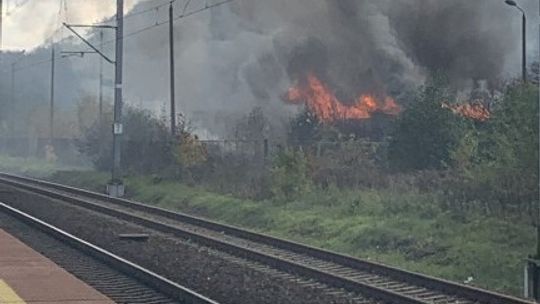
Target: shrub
(146,143)
(427,134)
(290,176)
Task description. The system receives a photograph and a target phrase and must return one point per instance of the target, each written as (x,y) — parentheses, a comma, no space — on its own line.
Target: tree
(506,174)
(511,138)
(305,127)
(290,174)
(146,143)
(428,134)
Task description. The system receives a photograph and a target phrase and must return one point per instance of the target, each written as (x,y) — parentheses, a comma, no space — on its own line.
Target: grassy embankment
(31,166)
(408,230)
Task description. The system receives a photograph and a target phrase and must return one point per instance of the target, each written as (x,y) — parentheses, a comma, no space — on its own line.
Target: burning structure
(323,103)
(475,110)
(347,59)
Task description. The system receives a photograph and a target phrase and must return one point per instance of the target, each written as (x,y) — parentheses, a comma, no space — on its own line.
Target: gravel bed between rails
(101,277)
(217,275)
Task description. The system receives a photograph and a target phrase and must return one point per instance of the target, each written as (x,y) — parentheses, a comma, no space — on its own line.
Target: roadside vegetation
(437,193)
(410,229)
(35,167)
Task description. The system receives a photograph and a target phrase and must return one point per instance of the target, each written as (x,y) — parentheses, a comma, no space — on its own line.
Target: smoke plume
(245,54)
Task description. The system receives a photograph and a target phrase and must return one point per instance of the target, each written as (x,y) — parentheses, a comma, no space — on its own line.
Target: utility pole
(538,215)
(1,21)
(51,105)
(100,113)
(12,102)
(12,93)
(524,50)
(171,56)
(533,269)
(116,187)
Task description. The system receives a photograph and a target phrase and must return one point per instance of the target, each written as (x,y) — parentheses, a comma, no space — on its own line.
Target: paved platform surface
(28,277)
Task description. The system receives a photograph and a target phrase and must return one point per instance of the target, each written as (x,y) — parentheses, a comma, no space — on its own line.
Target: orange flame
(321,101)
(476,110)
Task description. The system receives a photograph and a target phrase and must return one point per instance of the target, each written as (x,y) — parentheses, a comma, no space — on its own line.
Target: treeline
(489,165)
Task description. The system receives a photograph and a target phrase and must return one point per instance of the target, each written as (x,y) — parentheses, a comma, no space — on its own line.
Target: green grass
(31,166)
(406,229)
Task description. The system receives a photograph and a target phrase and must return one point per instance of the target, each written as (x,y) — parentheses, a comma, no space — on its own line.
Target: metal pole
(524,59)
(171,55)
(100,113)
(538,219)
(51,105)
(116,188)
(1,21)
(536,272)
(12,83)
(12,95)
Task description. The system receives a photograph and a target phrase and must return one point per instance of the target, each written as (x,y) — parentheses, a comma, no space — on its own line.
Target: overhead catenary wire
(139,31)
(63,8)
(137,13)
(175,19)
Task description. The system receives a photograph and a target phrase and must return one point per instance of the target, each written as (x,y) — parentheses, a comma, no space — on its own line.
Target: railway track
(374,281)
(119,279)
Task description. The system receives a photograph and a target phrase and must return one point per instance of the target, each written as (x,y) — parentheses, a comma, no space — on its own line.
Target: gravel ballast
(217,275)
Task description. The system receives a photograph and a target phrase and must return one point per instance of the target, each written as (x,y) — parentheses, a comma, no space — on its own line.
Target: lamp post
(532,277)
(524,38)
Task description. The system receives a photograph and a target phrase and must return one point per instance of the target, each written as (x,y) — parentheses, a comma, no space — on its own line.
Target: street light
(532,282)
(524,59)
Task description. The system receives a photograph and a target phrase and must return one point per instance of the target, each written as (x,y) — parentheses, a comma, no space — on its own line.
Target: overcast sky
(28,23)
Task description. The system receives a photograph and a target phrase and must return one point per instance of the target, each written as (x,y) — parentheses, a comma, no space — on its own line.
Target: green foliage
(429,136)
(146,143)
(91,180)
(96,143)
(505,176)
(512,136)
(190,152)
(466,150)
(290,174)
(403,228)
(31,166)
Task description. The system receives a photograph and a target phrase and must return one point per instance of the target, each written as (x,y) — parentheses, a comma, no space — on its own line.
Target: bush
(290,176)
(146,143)
(428,134)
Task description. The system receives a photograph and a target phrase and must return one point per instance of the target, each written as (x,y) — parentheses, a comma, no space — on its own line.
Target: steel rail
(146,276)
(448,287)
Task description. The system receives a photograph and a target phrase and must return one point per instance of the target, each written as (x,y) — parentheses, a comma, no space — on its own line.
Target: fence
(267,148)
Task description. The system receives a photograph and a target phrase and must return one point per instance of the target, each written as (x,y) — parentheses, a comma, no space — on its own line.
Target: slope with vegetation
(444,195)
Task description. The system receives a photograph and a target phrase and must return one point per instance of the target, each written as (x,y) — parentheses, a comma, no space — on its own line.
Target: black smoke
(245,54)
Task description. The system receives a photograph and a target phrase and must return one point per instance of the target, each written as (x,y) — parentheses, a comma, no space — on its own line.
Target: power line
(181,16)
(150,9)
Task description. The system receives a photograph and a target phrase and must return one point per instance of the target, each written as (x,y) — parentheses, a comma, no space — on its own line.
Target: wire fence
(251,150)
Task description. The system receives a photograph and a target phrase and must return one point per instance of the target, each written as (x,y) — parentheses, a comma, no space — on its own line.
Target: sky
(24,29)
(247,53)
(29,23)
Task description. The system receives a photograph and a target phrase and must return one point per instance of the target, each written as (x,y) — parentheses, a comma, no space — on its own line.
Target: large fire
(322,102)
(476,110)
